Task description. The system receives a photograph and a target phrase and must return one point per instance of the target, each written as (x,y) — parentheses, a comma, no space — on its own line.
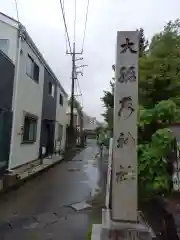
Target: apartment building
(32,100)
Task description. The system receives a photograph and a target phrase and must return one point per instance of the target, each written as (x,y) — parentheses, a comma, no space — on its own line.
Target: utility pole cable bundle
(73,53)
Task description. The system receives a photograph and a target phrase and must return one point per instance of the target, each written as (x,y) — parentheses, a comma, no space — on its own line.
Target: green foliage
(160,68)
(143,43)
(108,101)
(159,99)
(153,166)
(155,144)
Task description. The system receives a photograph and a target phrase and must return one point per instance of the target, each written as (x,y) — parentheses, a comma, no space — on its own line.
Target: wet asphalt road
(66,183)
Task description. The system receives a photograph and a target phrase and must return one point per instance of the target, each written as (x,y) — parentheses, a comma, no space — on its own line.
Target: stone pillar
(124,166)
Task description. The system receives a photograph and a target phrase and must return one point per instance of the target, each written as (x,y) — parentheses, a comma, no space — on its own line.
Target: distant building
(90,124)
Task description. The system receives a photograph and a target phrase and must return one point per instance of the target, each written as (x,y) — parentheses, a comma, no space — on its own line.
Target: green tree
(159,99)
(143,43)
(160,68)
(108,102)
(154,148)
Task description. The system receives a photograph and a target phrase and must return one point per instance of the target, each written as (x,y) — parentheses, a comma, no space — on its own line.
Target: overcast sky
(43,21)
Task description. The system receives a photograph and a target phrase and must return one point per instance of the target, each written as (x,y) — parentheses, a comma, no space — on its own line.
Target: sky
(43,21)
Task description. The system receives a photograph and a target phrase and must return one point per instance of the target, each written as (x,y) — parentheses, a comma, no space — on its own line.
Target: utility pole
(73,54)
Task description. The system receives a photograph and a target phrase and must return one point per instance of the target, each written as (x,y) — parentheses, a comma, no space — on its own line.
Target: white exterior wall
(9,32)
(29,99)
(61,116)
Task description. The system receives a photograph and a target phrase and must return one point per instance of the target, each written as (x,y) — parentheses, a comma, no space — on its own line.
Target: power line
(74,20)
(65,30)
(17,13)
(85,26)
(64,19)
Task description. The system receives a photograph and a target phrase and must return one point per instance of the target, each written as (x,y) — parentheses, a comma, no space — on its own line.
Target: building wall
(6,82)
(49,102)
(48,107)
(9,32)
(6,92)
(29,99)
(61,117)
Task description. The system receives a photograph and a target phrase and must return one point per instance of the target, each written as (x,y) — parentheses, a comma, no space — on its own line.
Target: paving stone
(47,218)
(80,206)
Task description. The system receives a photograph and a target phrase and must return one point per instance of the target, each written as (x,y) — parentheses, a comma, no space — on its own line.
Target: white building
(37,109)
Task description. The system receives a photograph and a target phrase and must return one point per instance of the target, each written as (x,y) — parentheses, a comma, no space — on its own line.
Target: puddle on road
(92,171)
(73,169)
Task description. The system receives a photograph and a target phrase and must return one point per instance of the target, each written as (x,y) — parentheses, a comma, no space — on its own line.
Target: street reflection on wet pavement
(52,196)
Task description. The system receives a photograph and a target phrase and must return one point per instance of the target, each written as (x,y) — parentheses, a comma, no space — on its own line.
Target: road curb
(20,182)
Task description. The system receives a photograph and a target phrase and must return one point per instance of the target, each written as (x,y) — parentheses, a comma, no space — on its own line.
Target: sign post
(124,180)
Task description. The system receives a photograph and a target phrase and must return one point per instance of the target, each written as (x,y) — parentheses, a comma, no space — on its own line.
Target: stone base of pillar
(110,230)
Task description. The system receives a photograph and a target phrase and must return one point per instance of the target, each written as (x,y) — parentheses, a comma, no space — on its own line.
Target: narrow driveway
(49,197)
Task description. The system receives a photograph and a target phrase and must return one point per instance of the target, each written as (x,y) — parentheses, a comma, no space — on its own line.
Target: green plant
(152,168)
(159,99)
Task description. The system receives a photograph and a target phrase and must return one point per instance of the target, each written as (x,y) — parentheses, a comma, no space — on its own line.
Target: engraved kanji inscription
(126,108)
(127,74)
(121,174)
(122,140)
(125,139)
(128,45)
(125,174)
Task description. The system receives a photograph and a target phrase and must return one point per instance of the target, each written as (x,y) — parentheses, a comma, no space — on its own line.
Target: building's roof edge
(29,39)
(31,42)
(5,15)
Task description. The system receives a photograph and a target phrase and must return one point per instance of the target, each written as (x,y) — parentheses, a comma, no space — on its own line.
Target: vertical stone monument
(124,175)
(123,220)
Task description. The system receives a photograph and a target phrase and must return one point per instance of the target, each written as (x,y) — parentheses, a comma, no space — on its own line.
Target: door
(49,137)
(5,138)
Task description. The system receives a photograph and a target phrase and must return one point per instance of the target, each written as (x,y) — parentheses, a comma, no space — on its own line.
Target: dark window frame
(61,99)
(6,49)
(35,75)
(51,86)
(59,132)
(30,121)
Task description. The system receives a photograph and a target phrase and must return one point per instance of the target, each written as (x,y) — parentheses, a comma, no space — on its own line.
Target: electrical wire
(66,30)
(85,26)
(17,12)
(74,21)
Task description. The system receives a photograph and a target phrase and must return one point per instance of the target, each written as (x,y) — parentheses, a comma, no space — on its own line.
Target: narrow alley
(47,207)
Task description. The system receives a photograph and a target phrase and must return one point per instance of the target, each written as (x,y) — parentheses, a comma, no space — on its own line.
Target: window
(30,128)
(61,99)
(51,89)
(32,69)
(4,45)
(59,132)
